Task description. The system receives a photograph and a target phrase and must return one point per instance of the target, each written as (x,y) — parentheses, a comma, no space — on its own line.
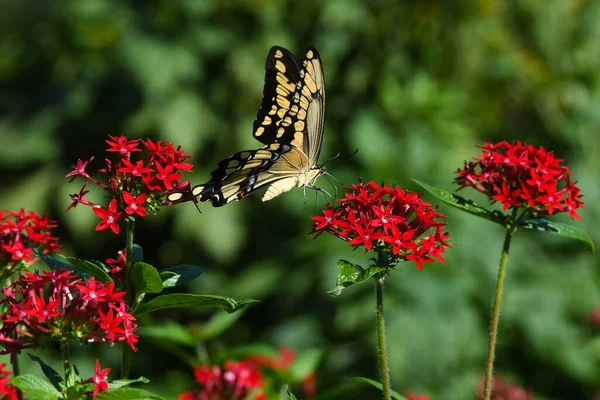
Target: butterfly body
(289,123)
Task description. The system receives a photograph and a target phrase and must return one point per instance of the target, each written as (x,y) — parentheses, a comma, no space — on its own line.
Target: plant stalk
(64,352)
(487,391)
(16,372)
(383,360)
(125,350)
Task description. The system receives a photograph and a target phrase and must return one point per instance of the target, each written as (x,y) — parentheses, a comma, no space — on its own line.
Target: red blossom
(99,379)
(412,396)
(53,305)
(138,186)
(520,175)
(7,392)
(387,218)
(117,266)
(110,217)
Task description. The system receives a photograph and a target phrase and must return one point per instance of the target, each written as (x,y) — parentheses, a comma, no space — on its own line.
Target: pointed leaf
(52,375)
(470,206)
(218,323)
(395,395)
(90,269)
(350,274)
(289,393)
(570,231)
(124,382)
(35,387)
(145,279)
(127,394)
(57,264)
(137,254)
(179,275)
(184,300)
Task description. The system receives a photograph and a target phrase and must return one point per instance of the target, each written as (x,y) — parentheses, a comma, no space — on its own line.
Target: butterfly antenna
(327,175)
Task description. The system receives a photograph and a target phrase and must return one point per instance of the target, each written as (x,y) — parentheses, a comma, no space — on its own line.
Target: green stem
(487,391)
(64,351)
(383,361)
(17,372)
(125,350)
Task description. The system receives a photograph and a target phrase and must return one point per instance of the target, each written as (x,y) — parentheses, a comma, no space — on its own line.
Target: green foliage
(350,274)
(395,395)
(127,394)
(35,387)
(52,375)
(183,300)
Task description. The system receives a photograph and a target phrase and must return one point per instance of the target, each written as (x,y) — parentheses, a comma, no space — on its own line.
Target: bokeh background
(414,85)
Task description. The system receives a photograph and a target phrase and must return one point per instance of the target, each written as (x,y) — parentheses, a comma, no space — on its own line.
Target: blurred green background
(415,85)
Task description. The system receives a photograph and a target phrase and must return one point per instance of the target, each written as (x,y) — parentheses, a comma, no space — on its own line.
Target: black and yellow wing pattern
(289,123)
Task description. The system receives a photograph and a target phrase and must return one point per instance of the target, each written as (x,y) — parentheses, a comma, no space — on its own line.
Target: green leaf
(289,393)
(540,224)
(395,395)
(469,206)
(184,300)
(36,388)
(124,382)
(350,274)
(179,275)
(169,331)
(218,323)
(145,279)
(306,363)
(52,375)
(127,394)
(56,264)
(137,254)
(90,269)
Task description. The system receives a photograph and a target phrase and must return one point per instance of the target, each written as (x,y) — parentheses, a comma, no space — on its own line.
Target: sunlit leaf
(90,269)
(145,278)
(350,274)
(124,382)
(52,375)
(35,387)
(184,300)
(570,231)
(127,394)
(179,275)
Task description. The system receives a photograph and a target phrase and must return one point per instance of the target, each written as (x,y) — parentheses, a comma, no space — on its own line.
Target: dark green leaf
(90,269)
(124,382)
(36,388)
(57,264)
(145,279)
(137,254)
(127,394)
(183,300)
(350,274)
(169,331)
(179,275)
(469,206)
(52,375)
(395,395)
(570,231)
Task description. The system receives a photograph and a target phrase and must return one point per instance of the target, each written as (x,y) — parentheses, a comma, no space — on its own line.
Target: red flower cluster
(53,305)
(135,186)
(519,175)
(7,392)
(19,231)
(412,396)
(390,218)
(502,390)
(238,380)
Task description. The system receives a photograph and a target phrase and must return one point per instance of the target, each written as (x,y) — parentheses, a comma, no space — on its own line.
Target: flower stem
(487,391)
(64,351)
(17,372)
(125,350)
(383,361)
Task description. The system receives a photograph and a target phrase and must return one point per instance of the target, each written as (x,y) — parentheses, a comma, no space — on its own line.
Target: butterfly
(289,124)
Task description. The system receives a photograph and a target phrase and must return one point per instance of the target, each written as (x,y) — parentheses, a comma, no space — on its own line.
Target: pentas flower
(387,218)
(503,390)
(520,175)
(135,187)
(47,306)
(99,379)
(19,232)
(117,266)
(7,392)
(237,380)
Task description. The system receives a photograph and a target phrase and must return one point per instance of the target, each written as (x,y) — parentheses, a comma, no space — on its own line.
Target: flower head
(41,307)
(99,379)
(136,187)
(388,218)
(520,175)
(7,392)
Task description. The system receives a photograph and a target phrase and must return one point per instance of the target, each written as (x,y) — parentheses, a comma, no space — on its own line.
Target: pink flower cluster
(19,231)
(135,186)
(387,217)
(40,307)
(520,175)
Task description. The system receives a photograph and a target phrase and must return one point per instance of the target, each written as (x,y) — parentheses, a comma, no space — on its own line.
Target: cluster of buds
(520,175)
(57,305)
(136,187)
(19,233)
(388,218)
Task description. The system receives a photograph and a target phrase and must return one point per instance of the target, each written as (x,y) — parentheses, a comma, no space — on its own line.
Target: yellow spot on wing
(259,131)
(266,121)
(280,66)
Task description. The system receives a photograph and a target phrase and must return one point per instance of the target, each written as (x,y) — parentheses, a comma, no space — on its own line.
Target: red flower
(40,307)
(122,146)
(100,379)
(520,175)
(79,169)
(79,198)
(412,396)
(117,267)
(134,205)
(7,392)
(386,218)
(110,217)
(166,175)
(135,170)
